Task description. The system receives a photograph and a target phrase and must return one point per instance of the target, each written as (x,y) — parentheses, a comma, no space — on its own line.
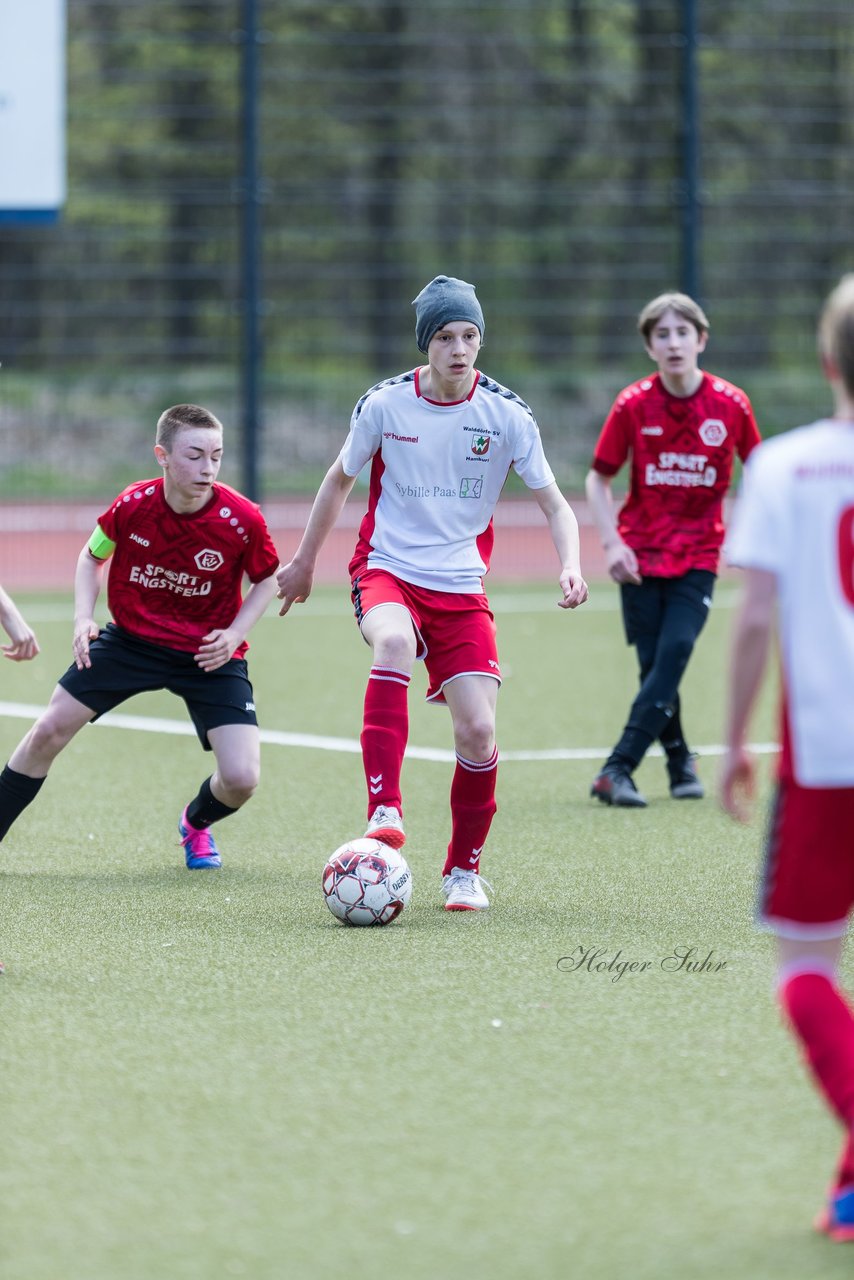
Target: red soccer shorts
(455,634)
(807,883)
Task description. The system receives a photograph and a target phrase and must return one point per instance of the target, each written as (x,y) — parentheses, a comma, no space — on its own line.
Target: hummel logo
(375,783)
(250,706)
(475,855)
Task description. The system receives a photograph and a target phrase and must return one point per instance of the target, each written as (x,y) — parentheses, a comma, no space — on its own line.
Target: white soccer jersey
(795,519)
(437,473)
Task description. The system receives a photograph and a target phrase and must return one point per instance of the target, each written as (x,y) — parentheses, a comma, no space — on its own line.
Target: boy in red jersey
(682,429)
(179,547)
(793,535)
(440,441)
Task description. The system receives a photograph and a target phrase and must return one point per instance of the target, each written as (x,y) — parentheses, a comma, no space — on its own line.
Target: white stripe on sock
(479,766)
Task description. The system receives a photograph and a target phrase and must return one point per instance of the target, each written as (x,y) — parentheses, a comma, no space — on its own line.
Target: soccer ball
(366,882)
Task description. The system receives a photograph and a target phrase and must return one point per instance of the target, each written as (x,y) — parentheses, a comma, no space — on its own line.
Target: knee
(475,737)
(240,780)
(48,737)
(675,653)
(397,649)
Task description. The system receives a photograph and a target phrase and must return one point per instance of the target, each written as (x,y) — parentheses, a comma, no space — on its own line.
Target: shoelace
(382,816)
(468,882)
(199,841)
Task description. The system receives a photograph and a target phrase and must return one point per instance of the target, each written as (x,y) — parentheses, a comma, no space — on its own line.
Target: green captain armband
(100,546)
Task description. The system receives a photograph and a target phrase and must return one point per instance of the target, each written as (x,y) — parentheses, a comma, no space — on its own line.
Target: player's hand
(23,643)
(294,583)
(216,649)
(574,590)
(737,785)
(85,631)
(622,563)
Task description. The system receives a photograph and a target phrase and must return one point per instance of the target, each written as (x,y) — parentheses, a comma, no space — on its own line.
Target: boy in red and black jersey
(681,429)
(179,547)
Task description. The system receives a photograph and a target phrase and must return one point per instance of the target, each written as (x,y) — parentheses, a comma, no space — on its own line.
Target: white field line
(315,742)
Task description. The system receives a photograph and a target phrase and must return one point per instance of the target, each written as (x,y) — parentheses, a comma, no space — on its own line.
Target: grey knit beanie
(441,301)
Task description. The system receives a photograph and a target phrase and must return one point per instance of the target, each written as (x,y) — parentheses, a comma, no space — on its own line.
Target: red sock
(384,734)
(824,1023)
(472,810)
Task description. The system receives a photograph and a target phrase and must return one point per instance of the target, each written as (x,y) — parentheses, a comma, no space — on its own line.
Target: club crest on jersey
(480,446)
(209,560)
(712,432)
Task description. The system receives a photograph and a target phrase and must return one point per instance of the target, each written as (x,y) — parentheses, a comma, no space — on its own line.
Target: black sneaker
(614,785)
(684,780)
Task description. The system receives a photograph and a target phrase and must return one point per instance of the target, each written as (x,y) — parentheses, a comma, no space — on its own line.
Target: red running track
(40,542)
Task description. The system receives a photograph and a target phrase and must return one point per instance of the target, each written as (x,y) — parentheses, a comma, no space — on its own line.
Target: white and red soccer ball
(366,882)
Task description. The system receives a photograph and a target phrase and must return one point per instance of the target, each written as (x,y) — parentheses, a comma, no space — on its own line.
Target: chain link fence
(538,149)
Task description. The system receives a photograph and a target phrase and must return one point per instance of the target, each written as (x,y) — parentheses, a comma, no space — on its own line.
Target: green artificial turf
(205,1076)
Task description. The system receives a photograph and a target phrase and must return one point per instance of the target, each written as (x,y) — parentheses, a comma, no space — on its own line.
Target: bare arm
(87,587)
(23,643)
(296,578)
(621,560)
(751,639)
(563,528)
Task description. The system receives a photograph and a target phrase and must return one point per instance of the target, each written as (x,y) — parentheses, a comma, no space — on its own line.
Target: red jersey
(682,450)
(175,577)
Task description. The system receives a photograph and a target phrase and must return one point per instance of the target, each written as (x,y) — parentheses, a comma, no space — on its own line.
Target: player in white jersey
(441,440)
(794,537)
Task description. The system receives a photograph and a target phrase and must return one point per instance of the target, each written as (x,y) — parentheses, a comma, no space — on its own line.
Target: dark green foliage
(533,147)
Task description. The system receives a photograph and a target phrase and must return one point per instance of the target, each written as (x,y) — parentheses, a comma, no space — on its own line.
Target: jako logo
(208,559)
(143,542)
(480,446)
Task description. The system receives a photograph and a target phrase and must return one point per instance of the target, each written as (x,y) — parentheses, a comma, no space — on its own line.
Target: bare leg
(63,717)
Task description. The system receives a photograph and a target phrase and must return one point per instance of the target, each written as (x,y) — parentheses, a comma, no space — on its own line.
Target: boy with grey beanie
(440,440)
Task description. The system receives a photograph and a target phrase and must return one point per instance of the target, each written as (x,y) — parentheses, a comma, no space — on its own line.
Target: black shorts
(123,665)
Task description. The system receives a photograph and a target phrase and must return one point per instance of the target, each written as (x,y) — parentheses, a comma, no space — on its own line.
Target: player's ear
(828,367)
(161,455)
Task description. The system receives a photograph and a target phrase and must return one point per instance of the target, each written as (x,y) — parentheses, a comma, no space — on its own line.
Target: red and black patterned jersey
(175,577)
(682,450)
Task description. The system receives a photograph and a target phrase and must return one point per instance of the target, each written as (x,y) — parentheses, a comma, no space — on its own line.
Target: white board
(32,108)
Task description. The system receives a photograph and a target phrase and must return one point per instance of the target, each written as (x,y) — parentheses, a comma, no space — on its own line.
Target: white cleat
(386,825)
(463,891)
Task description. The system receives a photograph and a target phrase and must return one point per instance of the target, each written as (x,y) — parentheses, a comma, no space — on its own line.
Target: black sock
(205,810)
(17,790)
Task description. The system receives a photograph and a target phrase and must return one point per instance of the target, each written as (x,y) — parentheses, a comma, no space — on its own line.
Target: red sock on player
(824,1023)
(384,734)
(472,810)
